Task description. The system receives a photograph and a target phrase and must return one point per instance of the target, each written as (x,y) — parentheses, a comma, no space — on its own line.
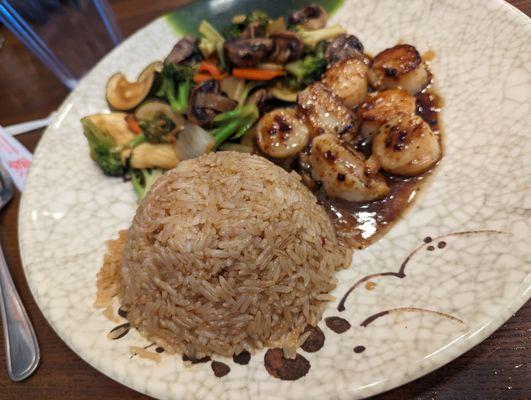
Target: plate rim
(464,343)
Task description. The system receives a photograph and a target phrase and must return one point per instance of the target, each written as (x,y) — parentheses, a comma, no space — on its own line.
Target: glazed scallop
(348,79)
(399,67)
(383,106)
(406,146)
(282,133)
(325,112)
(345,173)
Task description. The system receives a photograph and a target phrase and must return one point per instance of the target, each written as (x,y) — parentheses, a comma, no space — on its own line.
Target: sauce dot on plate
(337,324)
(243,358)
(315,341)
(220,369)
(359,349)
(285,369)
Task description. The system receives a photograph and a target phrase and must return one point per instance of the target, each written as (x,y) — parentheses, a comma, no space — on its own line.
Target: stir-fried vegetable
(255,20)
(132,123)
(313,38)
(103,149)
(257,74)
(158,122)
(234,123)
(307,70)
(177,86)
(211,41)
(193,141)
(208,69)
(143,179)
(193,103)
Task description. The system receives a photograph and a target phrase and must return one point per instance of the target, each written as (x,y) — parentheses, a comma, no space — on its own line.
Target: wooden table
(497,368)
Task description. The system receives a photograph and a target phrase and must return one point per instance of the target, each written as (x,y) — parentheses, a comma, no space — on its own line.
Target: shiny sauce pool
(360,224)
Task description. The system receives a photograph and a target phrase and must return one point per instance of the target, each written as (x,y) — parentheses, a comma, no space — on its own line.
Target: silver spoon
(22,349)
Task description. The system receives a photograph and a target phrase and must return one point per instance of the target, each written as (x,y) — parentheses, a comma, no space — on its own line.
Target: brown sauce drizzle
(374,317)
(401,273)
(361,224)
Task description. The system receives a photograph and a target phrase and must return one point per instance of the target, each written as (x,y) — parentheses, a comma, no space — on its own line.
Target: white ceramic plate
(483,71)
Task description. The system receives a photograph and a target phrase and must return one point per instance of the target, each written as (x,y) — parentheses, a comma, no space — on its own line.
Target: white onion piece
(193,141)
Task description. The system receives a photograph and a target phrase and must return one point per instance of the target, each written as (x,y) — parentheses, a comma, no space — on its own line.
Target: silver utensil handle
(22,349)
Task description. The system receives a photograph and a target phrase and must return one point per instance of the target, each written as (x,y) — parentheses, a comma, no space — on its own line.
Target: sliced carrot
(201,77)
(209,65)
(256,74)
(132,123)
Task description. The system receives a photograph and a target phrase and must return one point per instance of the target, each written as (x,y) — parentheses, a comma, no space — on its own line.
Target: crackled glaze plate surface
(442,280)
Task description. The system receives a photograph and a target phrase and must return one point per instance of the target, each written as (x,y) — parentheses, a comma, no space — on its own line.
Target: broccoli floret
(103,149)
(240,22)
(306,71)
(143,179)
(257,16)
(235,123)
(178,84)
(233,31)
(156,130)
(313,38)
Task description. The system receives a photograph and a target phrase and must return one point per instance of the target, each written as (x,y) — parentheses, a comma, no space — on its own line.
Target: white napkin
(14,157)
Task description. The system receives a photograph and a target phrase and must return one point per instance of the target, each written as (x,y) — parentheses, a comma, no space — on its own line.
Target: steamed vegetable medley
(292,89)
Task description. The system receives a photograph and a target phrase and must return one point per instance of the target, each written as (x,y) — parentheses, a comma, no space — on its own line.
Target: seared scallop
(406,146)
(282,133)
(381,107)
(325,111)
(345,173)
(399,67)
(348,79)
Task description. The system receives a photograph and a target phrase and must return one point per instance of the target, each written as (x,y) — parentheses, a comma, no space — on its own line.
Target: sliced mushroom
(206,101)
(283,93)
(282,133)
(183,50)
(288,47)
(124,95)
(344,47)
(248,52)
(259,98)
(254,30)
(311,17)
(155,116)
